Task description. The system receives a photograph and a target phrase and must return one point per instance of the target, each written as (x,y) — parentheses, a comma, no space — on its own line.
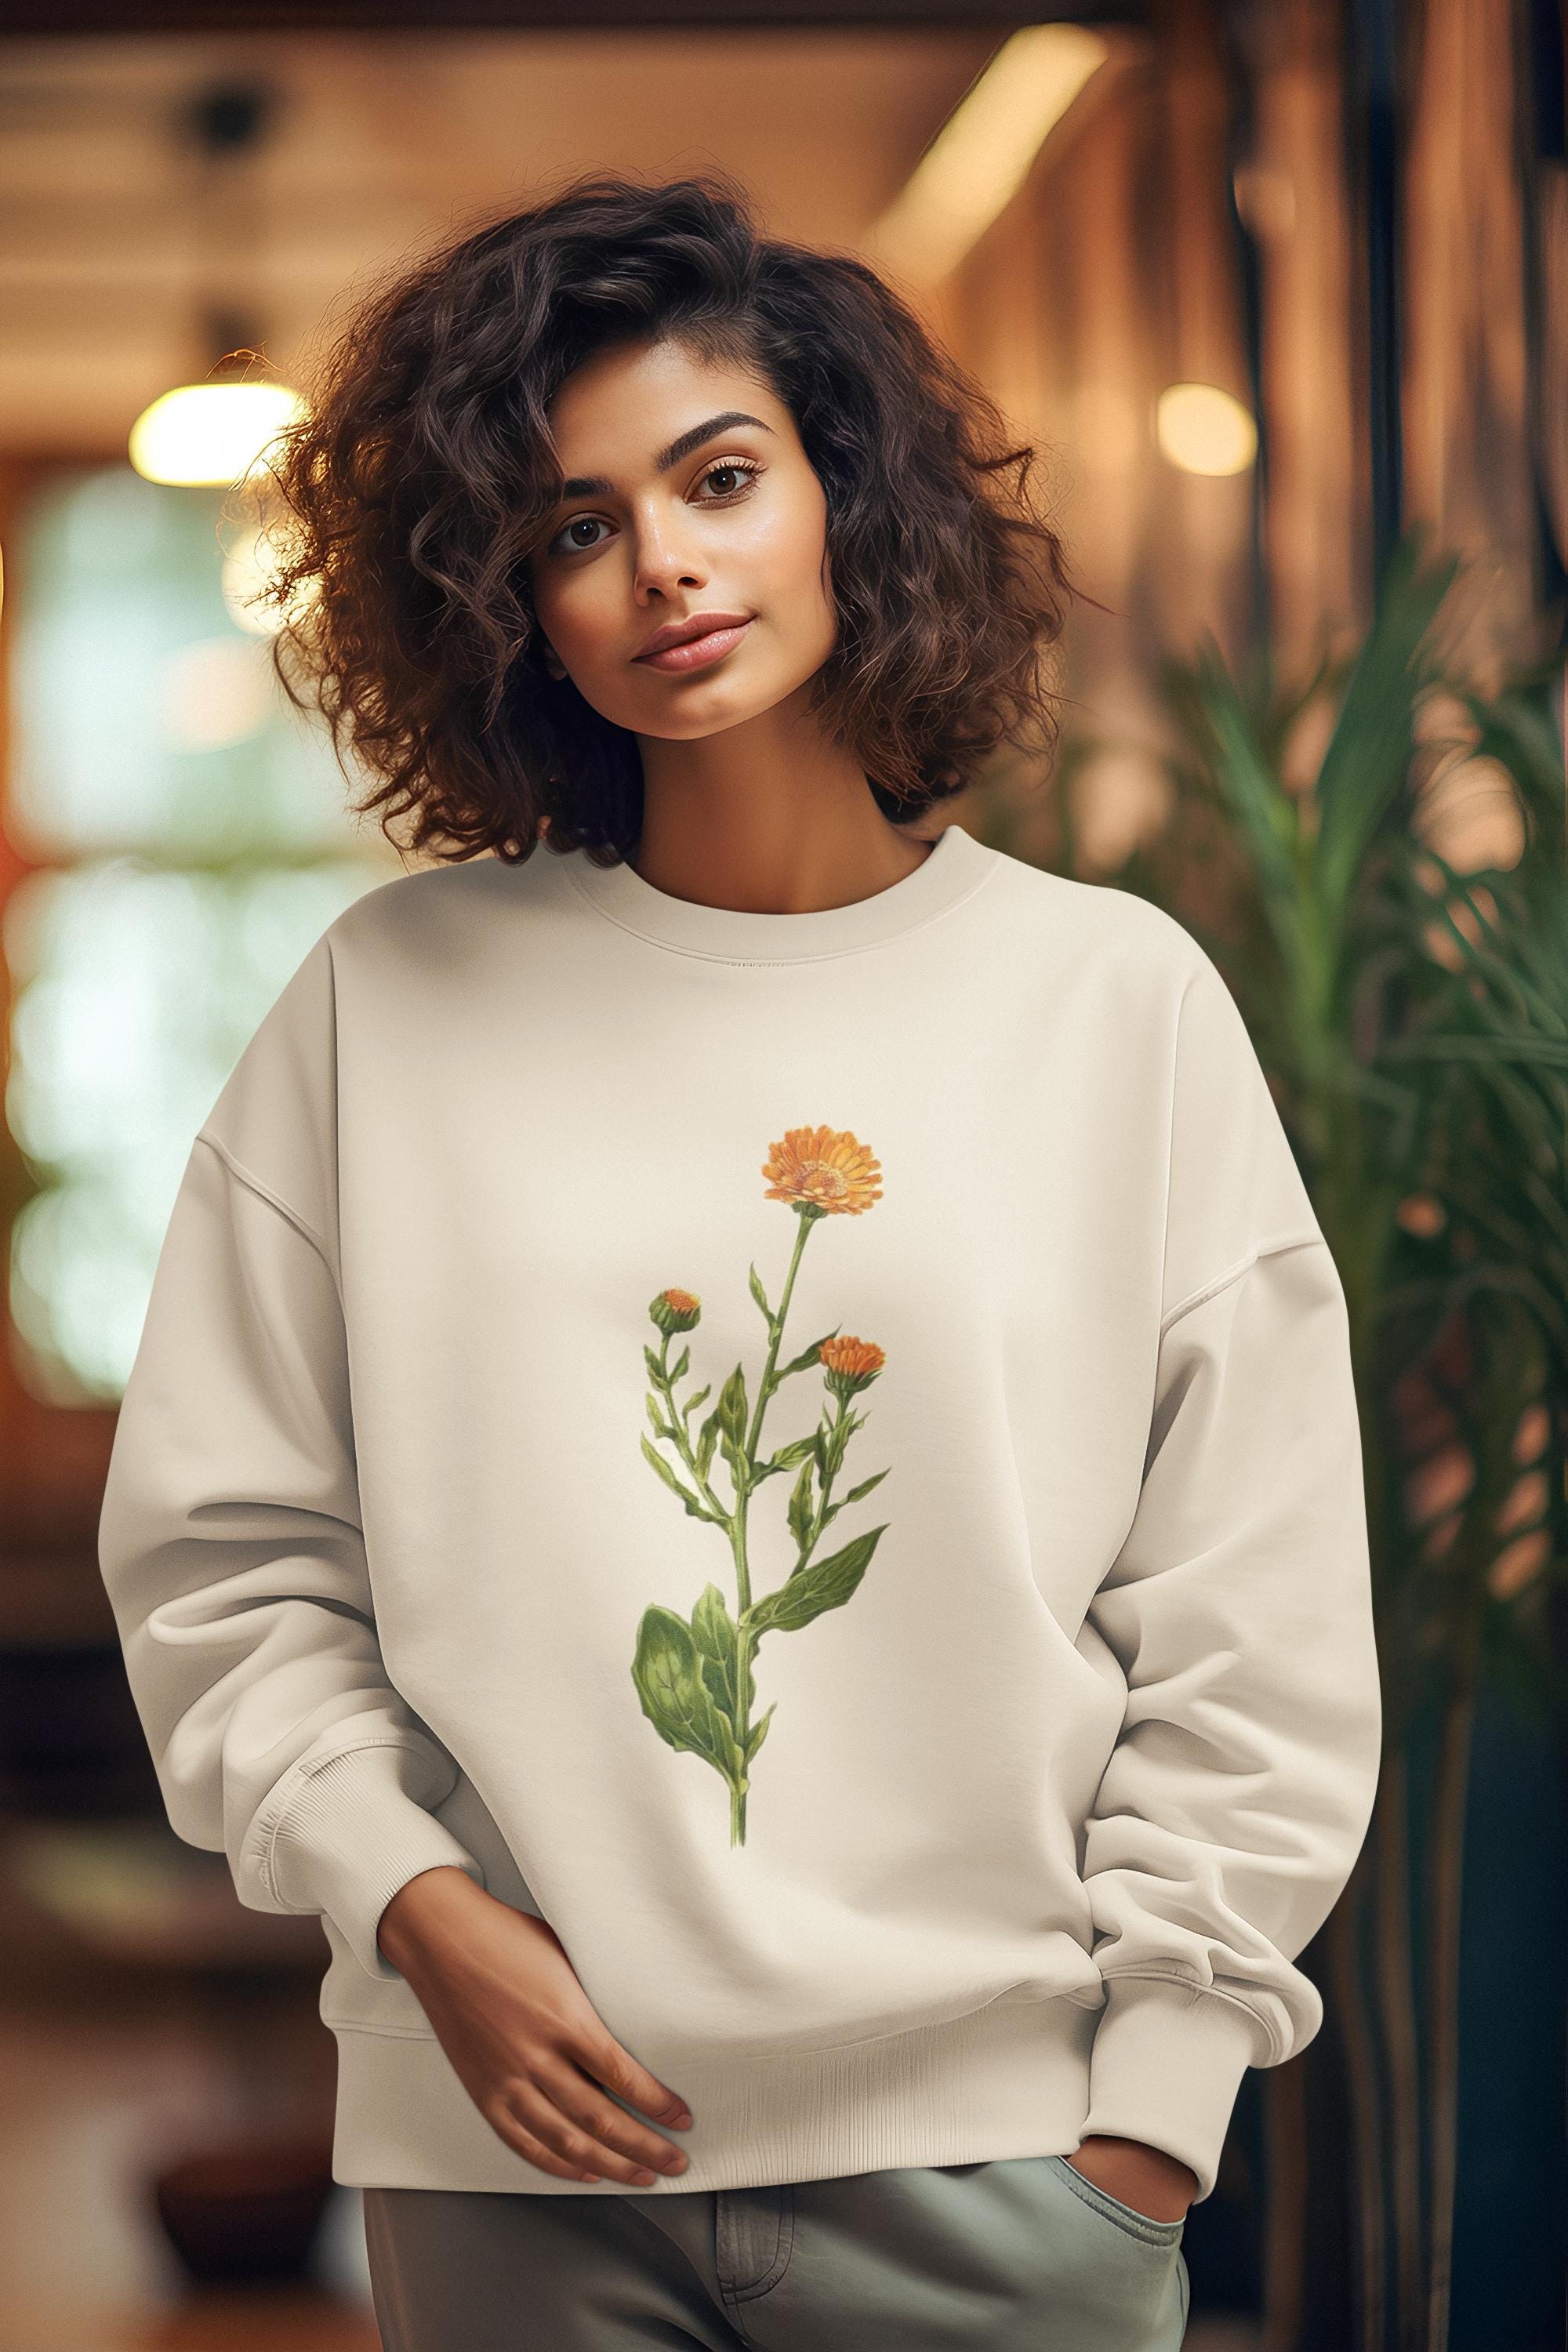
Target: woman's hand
(509,2009)
(1150,2179)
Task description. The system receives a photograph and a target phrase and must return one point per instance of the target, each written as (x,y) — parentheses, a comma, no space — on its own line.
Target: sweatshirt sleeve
(1239,1609)
(230,1540)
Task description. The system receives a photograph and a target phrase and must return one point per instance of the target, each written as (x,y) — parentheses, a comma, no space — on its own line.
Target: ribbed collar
(955,867)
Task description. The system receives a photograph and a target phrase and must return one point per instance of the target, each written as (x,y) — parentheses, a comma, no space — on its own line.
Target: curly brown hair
(413,488)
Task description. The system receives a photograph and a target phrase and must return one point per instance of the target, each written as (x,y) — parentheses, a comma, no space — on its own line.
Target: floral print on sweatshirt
(693,1677)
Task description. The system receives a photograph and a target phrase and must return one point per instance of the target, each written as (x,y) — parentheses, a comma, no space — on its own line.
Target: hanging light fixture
(985,150)
(210,433)
(1203,430)
(220,429)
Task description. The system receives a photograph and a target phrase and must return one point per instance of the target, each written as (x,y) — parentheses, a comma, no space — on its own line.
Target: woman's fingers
(526,2144)
(533,2104)
(581,2101)
(533,2053)
(602,2056)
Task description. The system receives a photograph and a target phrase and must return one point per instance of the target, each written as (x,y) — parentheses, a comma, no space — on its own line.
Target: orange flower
(850,1365)
(676,1310)
(853,1359)
(823,1170)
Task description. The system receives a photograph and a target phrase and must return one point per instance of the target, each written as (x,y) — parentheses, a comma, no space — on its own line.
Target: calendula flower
(676,1310)
(823,1172)
(693,1675)
(851,1364)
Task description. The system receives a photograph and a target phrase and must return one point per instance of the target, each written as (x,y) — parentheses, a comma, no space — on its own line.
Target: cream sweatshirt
(817,1454)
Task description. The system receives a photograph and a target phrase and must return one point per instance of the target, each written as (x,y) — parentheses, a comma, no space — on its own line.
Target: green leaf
(854,1495)
(694,1508)
(800,1511)
(717,1640)
(712,1627)
(823,1584)
(761,1296)
(675,1698)
(1522,737)
(708,1439)
(1367,762)
(759,1732)
(834,1444)
(732,1406)
(1259,805)
(690,1407)
(803,1363)
(654,1367)
(798,1450)
(678,1370)
(788,1458)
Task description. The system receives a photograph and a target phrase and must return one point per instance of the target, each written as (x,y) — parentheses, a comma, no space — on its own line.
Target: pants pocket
(1144,2227)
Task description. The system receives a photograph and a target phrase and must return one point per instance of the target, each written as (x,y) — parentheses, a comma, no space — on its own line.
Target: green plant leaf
(732,1408)
(820,1585)
(800,1510)
(694,1508)
(759,1732)
(675,1698)
(788,1458)
(1366,765)
(712,1627)
(1518,729)
(854,1495)
(719,1642)
(761,1296)
(803,1362)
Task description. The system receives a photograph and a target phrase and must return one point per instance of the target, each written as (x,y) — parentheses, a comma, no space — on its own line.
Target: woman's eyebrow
(594,486)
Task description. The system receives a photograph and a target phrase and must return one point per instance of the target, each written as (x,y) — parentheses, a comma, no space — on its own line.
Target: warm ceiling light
(984,152)
(210,433)
(250,571)
(1204,430)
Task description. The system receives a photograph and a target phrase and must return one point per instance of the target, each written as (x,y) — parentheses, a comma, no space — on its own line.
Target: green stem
(749,1451)
(745,1465)
(683,1441)
(826,1478)
(765,1389)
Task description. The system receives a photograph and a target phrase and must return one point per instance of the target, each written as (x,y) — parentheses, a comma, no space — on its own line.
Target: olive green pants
(1020,2255)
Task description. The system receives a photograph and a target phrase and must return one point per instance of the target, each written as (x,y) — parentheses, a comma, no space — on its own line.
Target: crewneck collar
(954,868)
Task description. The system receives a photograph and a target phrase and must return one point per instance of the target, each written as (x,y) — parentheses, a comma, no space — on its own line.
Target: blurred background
(1278,289)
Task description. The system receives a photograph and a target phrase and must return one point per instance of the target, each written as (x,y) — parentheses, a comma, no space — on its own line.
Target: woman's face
(688,498)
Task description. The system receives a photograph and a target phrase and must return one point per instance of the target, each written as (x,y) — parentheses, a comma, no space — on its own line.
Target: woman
(815,1750)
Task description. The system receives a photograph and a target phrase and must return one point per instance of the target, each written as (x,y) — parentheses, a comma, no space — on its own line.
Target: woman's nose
(664,560)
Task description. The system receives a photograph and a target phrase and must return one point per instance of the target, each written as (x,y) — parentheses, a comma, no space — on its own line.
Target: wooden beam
(99,17)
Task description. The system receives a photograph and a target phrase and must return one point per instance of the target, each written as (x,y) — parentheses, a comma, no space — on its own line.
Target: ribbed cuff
(351,1835)
(1166,2065)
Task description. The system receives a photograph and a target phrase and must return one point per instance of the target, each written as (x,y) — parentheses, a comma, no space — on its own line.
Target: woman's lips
(697,653)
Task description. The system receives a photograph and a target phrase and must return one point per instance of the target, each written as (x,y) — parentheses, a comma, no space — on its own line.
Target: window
(182,838)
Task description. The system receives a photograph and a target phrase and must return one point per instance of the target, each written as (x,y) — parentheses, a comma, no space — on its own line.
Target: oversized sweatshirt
(816,1453)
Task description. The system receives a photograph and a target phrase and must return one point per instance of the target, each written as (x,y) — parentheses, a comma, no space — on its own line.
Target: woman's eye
(734,474)
(563,538)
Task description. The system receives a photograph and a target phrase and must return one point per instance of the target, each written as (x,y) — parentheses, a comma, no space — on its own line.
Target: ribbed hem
(1008,2080)
(351,1833)
(1166,2068)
